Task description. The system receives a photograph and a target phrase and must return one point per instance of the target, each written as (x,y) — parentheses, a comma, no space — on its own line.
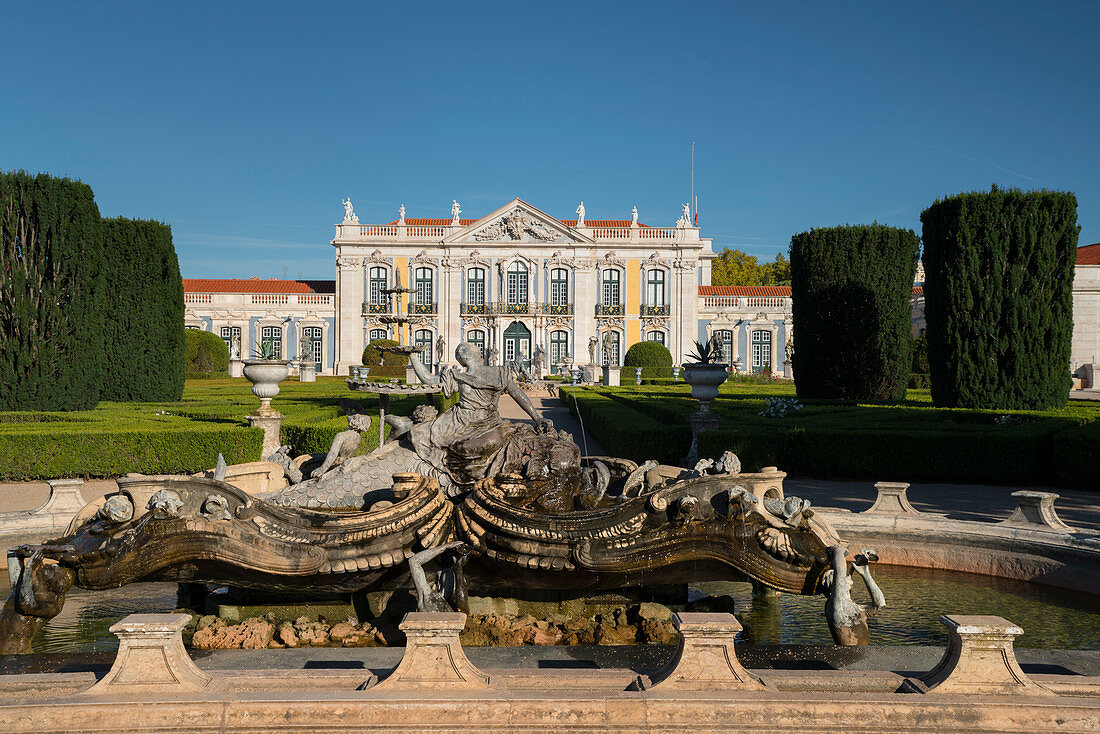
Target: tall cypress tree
(851,292)
(999,298)
(144,328)
(51,294)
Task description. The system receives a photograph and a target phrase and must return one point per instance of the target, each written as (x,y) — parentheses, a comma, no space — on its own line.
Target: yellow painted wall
(633,333)
(633,286)
(401,265)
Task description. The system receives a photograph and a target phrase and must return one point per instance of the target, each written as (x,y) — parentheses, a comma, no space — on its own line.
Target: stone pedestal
(410,375)
(1036,509)
(705,659)
(788,371)
(434,659)
(979,660)
(610,376)
(151,658)
(271,424)
(892,499)
(307,372)
(236,368)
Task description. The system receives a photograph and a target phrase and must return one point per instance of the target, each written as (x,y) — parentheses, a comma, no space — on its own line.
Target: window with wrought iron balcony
(655,303)
(610,294)
(423,298)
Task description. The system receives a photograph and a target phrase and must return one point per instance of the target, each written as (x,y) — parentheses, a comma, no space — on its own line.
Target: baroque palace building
(518,279)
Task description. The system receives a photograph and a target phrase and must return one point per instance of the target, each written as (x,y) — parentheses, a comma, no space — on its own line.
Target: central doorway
(517,343)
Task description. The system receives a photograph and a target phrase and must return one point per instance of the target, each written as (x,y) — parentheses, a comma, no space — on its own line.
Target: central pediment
(518,222)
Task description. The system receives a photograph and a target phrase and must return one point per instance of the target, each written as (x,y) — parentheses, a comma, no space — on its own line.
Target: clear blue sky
(243,126)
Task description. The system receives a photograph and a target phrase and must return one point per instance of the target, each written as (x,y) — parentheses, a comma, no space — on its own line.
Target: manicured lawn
(184,436)
(910,440)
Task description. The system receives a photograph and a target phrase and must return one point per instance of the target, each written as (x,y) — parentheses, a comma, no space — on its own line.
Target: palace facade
(518,279)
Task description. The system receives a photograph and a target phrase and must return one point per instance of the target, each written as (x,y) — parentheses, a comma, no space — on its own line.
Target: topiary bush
(998,298)
(52,288)
(143,332)
(851,291)
(653,357)
(205,352)
(382,364)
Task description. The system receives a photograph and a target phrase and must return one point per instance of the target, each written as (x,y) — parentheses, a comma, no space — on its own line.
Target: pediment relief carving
(519,225)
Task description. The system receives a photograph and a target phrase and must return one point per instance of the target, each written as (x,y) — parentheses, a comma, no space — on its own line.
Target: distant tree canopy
(733,267)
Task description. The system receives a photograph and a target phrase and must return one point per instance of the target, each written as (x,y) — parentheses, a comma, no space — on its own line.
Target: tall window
(559,347)
(517,283)
(273,334)
(424,291)
(313,333)
(378,334)
(724,339)
(475,286)
(761,351)
(377,283)
(559,287)
(420,338)
(657,336)
(231,334)
(610,287)
(655,288)
(477,338)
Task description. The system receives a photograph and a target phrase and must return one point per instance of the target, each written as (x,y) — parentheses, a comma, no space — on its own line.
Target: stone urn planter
(704,380)
(265,376)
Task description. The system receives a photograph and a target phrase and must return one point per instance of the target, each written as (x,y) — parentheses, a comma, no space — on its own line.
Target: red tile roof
(1089,254)
(762,291)
(257,285)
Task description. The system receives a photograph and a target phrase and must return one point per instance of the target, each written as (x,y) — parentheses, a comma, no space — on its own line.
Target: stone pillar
(892,500)
(151,659)
(610,376)
(705,659)
(979,660)
(434,658)
(271,424)
(584,313)
(349,312)
(450,311)
(775,350)
(1036,509)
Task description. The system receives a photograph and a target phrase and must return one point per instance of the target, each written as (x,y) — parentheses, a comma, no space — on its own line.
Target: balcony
(610,309)
(422,309)
(555,309)
(512,309)
(474,309)
(376,308)
(654,310)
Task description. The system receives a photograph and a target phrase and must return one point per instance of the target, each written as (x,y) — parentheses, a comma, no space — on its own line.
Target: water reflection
(1051,618)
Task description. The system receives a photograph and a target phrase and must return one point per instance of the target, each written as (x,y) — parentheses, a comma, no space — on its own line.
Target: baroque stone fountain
(527,510)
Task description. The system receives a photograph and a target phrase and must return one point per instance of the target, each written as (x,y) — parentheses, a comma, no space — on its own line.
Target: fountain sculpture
(524,506)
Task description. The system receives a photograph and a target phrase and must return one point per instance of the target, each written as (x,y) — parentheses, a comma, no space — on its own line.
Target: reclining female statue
(471,441)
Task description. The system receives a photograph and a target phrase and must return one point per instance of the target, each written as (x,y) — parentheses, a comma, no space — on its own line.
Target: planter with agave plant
(705,373)
(265,372)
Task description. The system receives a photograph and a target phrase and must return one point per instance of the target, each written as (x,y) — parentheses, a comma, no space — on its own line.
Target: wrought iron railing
(376,308)
(610,309)
(474,309)
(422,309)
(512,309)
(556,309)
(655,310)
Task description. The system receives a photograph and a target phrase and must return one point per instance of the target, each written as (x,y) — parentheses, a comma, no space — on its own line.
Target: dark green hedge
(850,292)
(998,298)
(623,431)
(143,332)
(52,289)
(653,357)
(70,451)
(204,352)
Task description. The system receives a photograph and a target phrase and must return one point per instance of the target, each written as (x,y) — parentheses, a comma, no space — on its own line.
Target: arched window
(378,334)
(475,286)
(656,336)
(377,283)
(611,291)
(420,338)
(655,288)
(724,339)
(516,286)
(559,287)
(477,338)
(424,291)
(559,347)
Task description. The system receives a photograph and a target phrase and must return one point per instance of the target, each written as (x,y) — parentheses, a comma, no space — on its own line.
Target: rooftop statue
(455,210)
(634,215)
(349,213)
(580,215)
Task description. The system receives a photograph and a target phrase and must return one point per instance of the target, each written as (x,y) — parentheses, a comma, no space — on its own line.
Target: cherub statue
(344,443)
